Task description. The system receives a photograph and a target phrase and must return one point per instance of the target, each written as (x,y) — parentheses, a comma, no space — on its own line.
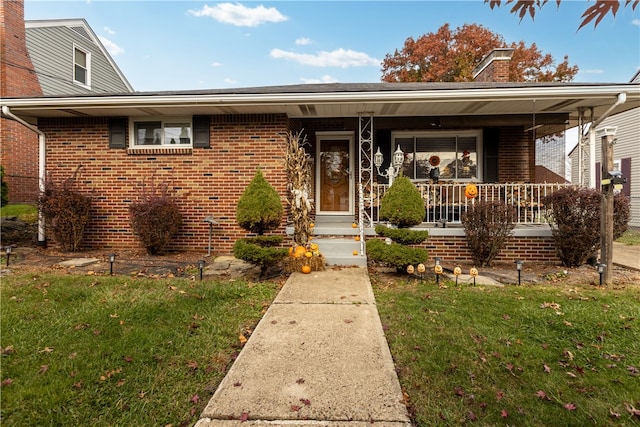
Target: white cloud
(337,58)
(303,41)
(595,71)
(324,79)
(229,81)
(636,22)
(216,64)
(240,15)
(109,31)
(111,47)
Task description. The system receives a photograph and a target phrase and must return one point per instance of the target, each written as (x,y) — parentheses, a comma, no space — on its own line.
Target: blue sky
(183,45)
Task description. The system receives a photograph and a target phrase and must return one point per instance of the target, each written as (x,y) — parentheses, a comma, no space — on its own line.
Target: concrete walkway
(317,357)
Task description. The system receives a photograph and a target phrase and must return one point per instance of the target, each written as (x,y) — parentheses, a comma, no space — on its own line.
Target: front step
(340,251)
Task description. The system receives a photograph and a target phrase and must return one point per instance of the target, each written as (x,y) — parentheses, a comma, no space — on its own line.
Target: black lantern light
(8,255)
(112,259)
(200,267)
(519,264)
(601,267)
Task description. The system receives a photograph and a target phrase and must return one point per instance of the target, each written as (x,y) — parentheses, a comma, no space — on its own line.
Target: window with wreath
(166,132)
(450,156)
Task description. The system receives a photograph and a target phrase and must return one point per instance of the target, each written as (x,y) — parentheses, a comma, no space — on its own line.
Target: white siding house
(626,155)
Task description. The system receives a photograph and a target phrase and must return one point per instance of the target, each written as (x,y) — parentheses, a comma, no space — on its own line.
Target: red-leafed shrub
(575,222)
(487,227)
(66,211)
(155,218)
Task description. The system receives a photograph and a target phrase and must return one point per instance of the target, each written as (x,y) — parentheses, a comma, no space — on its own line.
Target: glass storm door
(335,189)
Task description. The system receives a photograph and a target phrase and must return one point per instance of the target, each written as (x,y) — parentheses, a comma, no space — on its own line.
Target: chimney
(494,67)
(18,74)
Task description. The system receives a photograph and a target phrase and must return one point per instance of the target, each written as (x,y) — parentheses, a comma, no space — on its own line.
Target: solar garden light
(601,267)
(421,270)
(394,168)
(112,259)
(474,273)
(8,255)
(519,263)
(437,269)
(201,267)
(410,269)
(456,272)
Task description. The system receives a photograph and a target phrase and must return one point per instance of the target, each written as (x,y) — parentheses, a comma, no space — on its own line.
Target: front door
(334,173)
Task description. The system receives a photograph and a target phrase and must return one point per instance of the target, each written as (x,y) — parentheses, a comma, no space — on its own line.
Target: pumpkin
(438,269)
(354,225)
(473,272)
(355,252)
(471,191)
(421,268)
(457,271)
(299,252)
(357,238)
(312,225)
(313,246)
(410,269)
(290,250)
(308,254)
(306,269)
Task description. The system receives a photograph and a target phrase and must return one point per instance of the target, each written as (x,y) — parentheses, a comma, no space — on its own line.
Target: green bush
(155,218)
(404,236)
(487,227)
(66,211)
(259,208)
(575,215)
(395,254)
(260,251)
(4,189)
(402,204)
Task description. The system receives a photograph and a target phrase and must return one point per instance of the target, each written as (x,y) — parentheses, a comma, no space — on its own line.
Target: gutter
(42,158)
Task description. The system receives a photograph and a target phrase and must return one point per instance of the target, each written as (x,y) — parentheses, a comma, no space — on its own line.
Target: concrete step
(339,251)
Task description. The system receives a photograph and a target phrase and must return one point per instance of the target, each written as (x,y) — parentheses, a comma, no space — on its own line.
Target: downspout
(622,98)
(42,158)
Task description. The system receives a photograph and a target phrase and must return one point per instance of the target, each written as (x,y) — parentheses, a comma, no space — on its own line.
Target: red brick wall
(454,249)
(516,161)
(206,181)
(19,146)
(495,71)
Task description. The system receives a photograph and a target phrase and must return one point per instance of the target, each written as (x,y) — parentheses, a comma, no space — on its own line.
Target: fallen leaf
(46,350)
(632,410)
(547,369)
(307,402)
(192,364)
(542,395)
(472,416)
(120,382)
(504,413)
(244,417)
(242,339)
(570,406)
(499,395)
(77,385)
(613,414)
(6,382)
(633,370)
(237,384)
(7,350)
(43,369)
(195,398)
(295,408)
(73,355)
(300,381)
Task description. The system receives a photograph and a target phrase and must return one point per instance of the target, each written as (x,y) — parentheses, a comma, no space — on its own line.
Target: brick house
(76,63)
(207,145)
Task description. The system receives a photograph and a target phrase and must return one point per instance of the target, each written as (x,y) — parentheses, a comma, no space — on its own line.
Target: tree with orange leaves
(451,56)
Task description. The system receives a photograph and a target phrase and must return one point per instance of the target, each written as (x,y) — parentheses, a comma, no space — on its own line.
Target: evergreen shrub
(259,209)
(395,255)
(404,236)
(402,204)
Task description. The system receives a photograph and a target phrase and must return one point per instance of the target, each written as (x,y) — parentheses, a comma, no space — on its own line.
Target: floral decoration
(434,160)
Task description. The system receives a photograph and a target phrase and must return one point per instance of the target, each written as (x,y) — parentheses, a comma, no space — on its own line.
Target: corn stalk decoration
(298,170)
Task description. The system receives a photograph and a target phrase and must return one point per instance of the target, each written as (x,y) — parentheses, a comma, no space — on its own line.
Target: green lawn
(522,356)
(630,237)
(26,212)
(118,351)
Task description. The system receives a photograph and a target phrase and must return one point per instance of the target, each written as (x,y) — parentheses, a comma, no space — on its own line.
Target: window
(454,154)
(167,132)
(81,62)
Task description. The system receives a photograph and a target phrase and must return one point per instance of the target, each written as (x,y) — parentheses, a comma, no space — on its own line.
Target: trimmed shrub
(575,222)
(402,204)
(4,189)
(66,211)
(155,218)
(259,208)
(395,254)
(404,236)
(260,251)
(487,227)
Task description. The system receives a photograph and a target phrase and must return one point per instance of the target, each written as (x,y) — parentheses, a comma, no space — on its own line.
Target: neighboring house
(50,58)
(626,154)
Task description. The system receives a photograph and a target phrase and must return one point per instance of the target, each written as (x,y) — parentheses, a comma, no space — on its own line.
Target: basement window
(173,132)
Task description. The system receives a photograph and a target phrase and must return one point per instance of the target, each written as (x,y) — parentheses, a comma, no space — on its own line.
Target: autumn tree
(598,10)
(451,56)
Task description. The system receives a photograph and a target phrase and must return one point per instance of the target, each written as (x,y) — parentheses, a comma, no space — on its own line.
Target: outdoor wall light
(201,267)
(601,267)
(519,263)
(8,255)
(112,259)
(394,168)
(456,272)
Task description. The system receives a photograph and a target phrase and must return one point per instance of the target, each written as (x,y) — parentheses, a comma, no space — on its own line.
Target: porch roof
(348,100)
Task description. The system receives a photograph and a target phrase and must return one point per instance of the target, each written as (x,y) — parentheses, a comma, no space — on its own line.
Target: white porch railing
(448,202)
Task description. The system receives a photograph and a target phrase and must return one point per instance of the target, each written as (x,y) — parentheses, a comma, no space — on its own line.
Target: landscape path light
(474,273)
(519,264)
(394,168)
(421,270)
(437,269)
(112,259)
(410,269)
(601,268)
(8,255)
(456,272)
(200,267)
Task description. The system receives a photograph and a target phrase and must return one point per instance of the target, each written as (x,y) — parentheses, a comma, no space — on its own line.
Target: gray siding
(627,146)
(51,51)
